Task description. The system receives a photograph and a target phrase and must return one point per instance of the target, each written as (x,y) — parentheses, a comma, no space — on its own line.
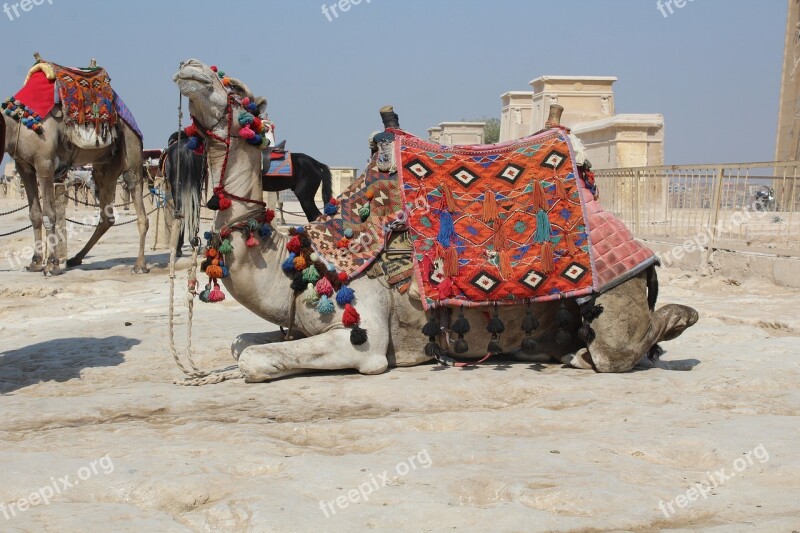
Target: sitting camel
(617,328)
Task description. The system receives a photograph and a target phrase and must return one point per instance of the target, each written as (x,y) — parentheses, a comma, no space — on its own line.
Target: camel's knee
(675,319)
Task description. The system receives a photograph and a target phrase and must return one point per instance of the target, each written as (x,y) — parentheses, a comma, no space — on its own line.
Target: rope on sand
(16,231)
(13,211)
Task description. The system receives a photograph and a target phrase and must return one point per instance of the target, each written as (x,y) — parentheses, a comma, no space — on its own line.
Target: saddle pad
(86,97)
(497,223)
(280,166)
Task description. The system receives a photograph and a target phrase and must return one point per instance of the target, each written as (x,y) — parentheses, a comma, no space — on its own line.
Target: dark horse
(308,175)
(2,139)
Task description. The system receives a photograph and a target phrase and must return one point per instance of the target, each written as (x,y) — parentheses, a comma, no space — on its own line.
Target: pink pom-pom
(324,287)
(252,242)
(246,133)
(245,101)
(214,68)
(216,295)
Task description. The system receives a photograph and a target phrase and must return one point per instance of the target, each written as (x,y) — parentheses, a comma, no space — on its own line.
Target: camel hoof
(53,271)
(140,270)
(74,262)
(35,267)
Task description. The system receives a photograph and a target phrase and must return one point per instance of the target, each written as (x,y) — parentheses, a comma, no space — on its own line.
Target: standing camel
(44,156)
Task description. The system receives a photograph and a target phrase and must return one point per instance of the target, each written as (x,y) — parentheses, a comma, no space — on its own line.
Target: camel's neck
(242,176)
(256,279)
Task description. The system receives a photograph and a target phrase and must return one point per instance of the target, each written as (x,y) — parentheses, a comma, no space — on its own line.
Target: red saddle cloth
(508,223)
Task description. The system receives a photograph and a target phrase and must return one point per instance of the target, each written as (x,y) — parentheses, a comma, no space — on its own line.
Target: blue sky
(712,68)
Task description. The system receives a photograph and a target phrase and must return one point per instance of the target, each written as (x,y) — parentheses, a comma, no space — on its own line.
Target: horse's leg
(105,179)
(28,175)
(307,181)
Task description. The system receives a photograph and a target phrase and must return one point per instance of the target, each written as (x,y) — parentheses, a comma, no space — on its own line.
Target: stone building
(611,140)
(451,133)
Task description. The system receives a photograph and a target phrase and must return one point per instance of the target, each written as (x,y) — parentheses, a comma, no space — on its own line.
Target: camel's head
(210,96)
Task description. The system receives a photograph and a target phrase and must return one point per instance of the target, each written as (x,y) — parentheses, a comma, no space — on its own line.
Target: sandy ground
(93,423)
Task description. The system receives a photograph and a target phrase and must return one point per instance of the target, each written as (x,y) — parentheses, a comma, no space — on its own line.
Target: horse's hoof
(74,262)
(35,267)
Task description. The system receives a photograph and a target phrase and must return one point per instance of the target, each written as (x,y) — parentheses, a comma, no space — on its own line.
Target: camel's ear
(261,102)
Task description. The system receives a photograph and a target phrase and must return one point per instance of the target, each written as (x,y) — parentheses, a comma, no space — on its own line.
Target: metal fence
(748,207)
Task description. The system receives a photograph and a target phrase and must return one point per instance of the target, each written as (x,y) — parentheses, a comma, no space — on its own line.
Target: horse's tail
(327,183)
(186,184)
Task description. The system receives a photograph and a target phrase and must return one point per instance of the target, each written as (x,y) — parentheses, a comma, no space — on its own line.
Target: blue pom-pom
(193,143)
(331,209)
(325,306)
(266,230)
(348,233)
(256,139)
(288,264)
(300,229)
(207,235)
(345,295)
(252,106)
(225,272)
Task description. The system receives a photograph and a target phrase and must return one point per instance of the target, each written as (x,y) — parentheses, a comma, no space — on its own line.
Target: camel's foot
(53,269)
(35,267)
(73,262)
(580,359)
(140,268)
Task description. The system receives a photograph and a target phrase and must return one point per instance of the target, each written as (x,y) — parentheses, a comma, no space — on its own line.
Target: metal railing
(746,207)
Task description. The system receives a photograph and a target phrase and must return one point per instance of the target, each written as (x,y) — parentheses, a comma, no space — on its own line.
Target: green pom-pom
(225,247)
(311,274)
(311,297)
(363,212)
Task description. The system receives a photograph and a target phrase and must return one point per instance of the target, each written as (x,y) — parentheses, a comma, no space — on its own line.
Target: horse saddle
(276,161)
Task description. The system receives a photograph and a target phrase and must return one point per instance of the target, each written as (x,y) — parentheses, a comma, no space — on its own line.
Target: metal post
(716,205)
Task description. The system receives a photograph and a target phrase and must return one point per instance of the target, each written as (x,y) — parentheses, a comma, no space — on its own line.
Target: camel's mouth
(193,76)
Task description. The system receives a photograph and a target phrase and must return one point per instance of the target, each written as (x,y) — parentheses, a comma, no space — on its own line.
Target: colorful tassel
(570,242)
(324,287)
(310,297)
(331,209)
(543,228)
(539,196)
(311,274)
(265,231)
(448,199)
(363,212)
(325,306)
(294,245)
(447,231)
(506,269)
(350,317)
(214,271)
(490,212)
(548,264)
(499,238)
(300,263)
(342,243)
(450,258)
(251,241)
(345,295)
(358,336)
(224,202)
(561,189)
(225,247)
(288,264)
(216,295)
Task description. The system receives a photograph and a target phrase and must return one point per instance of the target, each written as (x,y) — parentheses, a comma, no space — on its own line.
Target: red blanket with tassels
(38,94)
(508,223)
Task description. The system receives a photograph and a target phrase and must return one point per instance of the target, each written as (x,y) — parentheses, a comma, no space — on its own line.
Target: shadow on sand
(59,360)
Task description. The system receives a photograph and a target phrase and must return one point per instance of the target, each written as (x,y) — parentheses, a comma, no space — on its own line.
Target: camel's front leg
(28,175)
(45,170)
(328,351)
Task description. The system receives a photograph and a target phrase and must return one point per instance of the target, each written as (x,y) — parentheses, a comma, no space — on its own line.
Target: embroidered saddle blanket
(276,164)
(505,224)
(89,103)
